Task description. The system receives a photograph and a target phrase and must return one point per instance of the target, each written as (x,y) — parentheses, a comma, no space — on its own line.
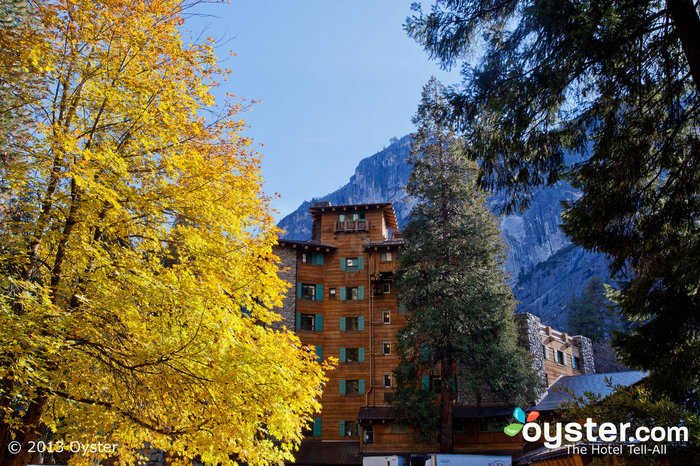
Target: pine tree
(450,279)
(613,85)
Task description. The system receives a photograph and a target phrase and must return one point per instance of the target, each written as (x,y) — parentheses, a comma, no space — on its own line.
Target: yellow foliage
(138,274)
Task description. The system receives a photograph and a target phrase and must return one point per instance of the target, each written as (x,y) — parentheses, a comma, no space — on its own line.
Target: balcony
(351,226)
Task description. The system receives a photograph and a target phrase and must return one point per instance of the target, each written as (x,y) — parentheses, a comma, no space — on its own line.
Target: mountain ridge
(545,268)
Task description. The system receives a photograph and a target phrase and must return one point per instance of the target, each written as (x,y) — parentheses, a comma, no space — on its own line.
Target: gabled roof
(580,384)
(387,207)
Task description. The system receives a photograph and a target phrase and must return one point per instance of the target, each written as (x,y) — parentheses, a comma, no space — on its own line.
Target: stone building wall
(529,338)
(587,361)
(288,273)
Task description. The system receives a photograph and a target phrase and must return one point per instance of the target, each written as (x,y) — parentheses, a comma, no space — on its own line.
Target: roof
(306,245)
(379,244)
(580,384)
(314,451)
(388,208)
(376,413)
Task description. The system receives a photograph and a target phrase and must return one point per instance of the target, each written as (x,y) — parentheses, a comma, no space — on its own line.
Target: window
(385,257)
(353,293)
(357,216)
(331,293)
(309,258)
(387,380)
(352,387)
(576,363)
(307,322)
(386,317)
(351,429)
(545,352)
(308,292)
(402,309)
(352,354)
(341,217)
(558,357)
(386,348)
(352,323)
(491,426)
(399,428)
(352,264)
(386,287)
(458,424)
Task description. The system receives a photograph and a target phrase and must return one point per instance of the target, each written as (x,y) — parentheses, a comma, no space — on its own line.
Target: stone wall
(587,360)
(288,273)
(529,337)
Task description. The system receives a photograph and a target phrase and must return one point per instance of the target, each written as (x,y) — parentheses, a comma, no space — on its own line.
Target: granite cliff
(545,267)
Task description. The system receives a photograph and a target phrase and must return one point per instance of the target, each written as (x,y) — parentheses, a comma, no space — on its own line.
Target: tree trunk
(446,397)
(687,24)
(29,433)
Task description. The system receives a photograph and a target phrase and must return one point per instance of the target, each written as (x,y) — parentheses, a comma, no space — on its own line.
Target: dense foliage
(614,86)
(136,254)
(460,330)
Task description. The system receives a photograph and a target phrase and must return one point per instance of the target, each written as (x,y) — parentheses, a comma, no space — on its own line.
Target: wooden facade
(346,307)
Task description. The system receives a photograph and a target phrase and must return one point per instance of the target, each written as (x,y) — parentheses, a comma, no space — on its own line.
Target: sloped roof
(580,384)
(319,452)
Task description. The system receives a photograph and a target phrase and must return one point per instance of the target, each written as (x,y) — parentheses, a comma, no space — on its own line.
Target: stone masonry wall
(529,338)
(288,273)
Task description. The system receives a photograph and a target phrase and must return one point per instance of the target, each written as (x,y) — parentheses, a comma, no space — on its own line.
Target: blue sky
(336,79)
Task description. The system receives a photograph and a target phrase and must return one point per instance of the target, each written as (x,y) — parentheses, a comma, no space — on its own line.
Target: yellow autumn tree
(136,255)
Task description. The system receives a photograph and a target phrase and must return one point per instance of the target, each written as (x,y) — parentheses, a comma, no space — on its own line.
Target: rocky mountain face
(545,268)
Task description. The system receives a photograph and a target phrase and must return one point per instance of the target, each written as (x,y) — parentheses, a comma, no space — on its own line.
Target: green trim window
(349,429)
(559,358)
(399,428)
(402,309)
(458,424)
(545,352)
(310,292)
(352,264)
(352,355)
(310,322)
(348,324)
(576,363)
(317,427)
(352,387)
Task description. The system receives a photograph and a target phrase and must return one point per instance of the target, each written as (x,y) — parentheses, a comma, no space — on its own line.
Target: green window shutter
(360,292)
(360,354)
(342,387)
(299,290)
(402,309)
(342,428)
(454,384)
(317,427)
(319,323)
(342,355)
(360,323)
(342,293)
(298,320)
(319,292)
(342,263)
(317,259)
(342,324)
(426,382)
(319,353)
(564,359)
(360,263)
(361,386)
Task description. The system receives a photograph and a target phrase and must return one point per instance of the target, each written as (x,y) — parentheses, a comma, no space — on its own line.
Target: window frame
(386,317)
(386,348)
(387,378)
(386,287)
(304,288)
(332,293)
(355,351)
(383,257)
(312,317)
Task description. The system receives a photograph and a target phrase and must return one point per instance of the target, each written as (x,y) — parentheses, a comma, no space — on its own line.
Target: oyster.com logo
(519,415)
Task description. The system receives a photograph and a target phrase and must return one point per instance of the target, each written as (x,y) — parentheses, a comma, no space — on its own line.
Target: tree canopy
(460,328)
(136,253)
(604,94)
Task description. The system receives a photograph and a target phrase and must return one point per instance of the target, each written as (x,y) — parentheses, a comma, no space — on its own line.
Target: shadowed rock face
(545,268)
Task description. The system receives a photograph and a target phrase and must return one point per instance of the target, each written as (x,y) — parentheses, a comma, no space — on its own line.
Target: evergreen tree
(451,280)
(615,83)
(589,314)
